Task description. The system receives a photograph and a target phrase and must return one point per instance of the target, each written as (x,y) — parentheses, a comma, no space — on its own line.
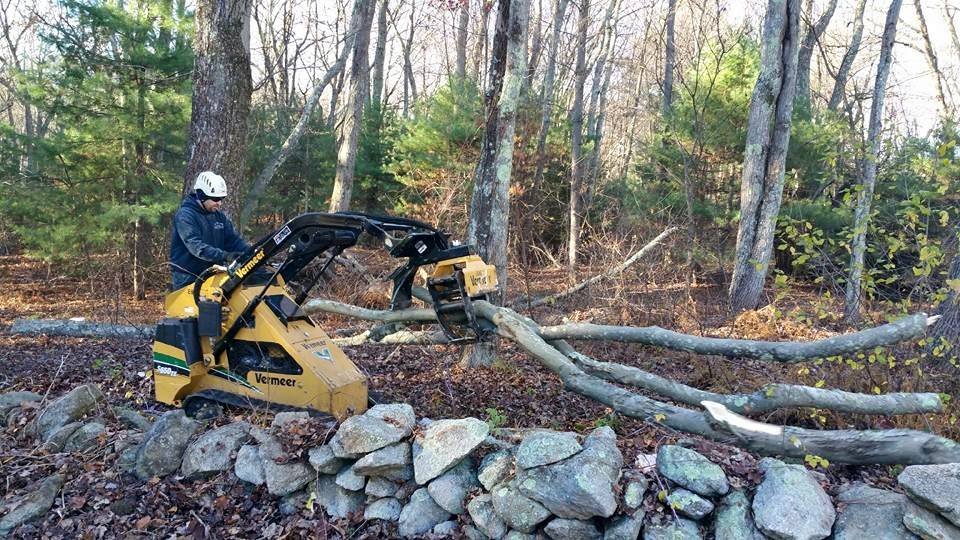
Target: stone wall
(452,477)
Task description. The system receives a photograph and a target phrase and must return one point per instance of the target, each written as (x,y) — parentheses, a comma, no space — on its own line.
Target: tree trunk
(861,218)
(488,229)
(463,24)
(945,334)
(221,93)
(598,102)
(932,62)
(766,151)
(353,119)
(806,54)
(536,46)
(546,103)
(669,60)
(379,56)
(480,51)
(575,206)
(843,73)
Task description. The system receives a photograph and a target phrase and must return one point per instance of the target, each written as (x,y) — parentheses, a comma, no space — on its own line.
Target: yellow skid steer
(236,336)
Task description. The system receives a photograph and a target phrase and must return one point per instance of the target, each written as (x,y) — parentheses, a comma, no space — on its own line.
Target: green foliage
(495,418)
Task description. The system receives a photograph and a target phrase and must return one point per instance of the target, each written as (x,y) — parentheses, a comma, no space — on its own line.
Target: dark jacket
(200,239)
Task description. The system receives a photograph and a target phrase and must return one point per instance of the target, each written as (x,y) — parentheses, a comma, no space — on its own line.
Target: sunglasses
(216,199)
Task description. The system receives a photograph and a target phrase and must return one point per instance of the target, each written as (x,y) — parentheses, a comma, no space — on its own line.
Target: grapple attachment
(455,284)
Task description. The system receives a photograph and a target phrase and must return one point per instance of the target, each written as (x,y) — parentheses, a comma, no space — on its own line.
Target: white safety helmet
(211,184)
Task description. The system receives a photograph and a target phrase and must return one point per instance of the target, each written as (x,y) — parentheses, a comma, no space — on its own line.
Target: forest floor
(516,392)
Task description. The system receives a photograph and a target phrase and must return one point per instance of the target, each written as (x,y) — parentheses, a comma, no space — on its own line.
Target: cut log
(61,327)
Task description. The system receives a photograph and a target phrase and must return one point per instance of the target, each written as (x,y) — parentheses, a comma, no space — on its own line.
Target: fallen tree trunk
(60,327)
(896,446)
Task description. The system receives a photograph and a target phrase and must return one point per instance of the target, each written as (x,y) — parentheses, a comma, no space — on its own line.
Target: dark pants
(181,279)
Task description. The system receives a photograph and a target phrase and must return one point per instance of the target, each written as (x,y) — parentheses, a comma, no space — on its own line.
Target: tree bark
(932,62)
(463,24)
(577,166)
(546,101)
(488,228)
(861,218)
(945,333)
(221,93)
(843,73)
(805,55)
(669,60)
(379,56)
(766,151)
(353,120)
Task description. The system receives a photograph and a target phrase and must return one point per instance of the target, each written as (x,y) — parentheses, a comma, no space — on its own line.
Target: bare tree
(806,54)
(221,92)
(577,167)
(463,24)
(861,219)
(546,99)
(761,187)
(379,56)
(843,72)
(933,63)
(669,59)
(490,203)
(353,119)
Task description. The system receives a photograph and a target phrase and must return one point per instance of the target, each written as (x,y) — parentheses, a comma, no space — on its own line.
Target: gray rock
(682,529)
(866,512)
(571,529)
(338,502)
(485,518)
(450,489)
(447,528)
(790,504)
(249,465)
(349,479)
(282,476)
(162,448)
(579,487)
(387,460)
(127,459)
(386,509)
(733,520)
(132,418)
(85,438)
(495,468)
(33,505)
(936,487)
(545,447)
(380,426)
(338,451)
(689,504)
(213,451)
(69,408)
(58,438)
(928,525)
(634,492)
(692,471)
(421,514)
(281,419)
(379,487)
(323,460)
(15,399)
(294,502)
(517,511)
(401,475)
(624,527)
(443,444)
(517,535)
(472,533)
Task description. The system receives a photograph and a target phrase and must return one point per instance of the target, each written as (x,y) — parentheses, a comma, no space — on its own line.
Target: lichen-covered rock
(385,461)
(249,465)
(445,529)
(387,509)
(335,500)
(381,425)
(936,487)
(443,444)
(379,487)
(347,478)
(421,514)
(485,518)
(212,452)
(867,512)
(581,486)
(692,471)
(323,460)
(636,488)
(544,447)
(624,527)
(518,511)
(733,520)
(571,529)
(69,408)
(495,468)
(790,504)
(282,476)
(132,418)
(689,504)
(682,529)
(162,448)
(9,400)
(451,488)
(284,418)
(58,438)
(928,525)
(33,505)
(85,438)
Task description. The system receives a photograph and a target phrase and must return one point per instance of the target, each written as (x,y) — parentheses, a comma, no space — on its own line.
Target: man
(202,234)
